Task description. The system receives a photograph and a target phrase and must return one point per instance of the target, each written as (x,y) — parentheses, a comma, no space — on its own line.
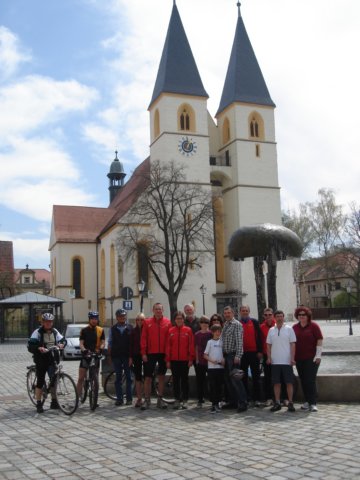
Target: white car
(72,334)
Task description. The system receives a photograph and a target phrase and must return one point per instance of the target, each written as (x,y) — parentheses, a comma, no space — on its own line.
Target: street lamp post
(141,288)
(111,300)
(348,289)
(203,291)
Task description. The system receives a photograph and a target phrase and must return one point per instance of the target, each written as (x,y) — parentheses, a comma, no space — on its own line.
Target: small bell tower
(116,177)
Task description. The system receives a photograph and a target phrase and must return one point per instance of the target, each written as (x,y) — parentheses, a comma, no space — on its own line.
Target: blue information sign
(127,304)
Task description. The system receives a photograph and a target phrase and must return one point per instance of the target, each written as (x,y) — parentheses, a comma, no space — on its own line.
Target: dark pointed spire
(177,72)
(244,81)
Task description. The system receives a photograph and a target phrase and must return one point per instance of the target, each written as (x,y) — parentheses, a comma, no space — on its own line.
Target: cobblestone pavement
(124,443)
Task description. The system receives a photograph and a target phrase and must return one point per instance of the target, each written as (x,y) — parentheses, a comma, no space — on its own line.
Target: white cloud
(36,101)
(33,251)
(11,53)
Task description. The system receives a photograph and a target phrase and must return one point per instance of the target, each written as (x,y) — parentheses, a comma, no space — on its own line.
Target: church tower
(245,165)
(178,107)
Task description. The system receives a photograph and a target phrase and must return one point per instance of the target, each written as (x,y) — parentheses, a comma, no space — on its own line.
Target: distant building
(235,156)
(32,280)
(321,280)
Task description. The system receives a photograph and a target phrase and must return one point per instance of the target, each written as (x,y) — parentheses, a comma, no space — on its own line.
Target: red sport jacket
(180,344)
(154,335)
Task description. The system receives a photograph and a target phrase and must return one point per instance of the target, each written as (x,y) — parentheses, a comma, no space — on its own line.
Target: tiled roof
(177,72)
(244,81)
(79,224)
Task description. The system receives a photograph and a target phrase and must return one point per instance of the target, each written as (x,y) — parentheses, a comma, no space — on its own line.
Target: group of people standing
(222,349)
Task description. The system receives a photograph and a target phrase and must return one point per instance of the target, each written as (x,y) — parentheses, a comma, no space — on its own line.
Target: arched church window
(256,126)
(120,265)
(77,277)
(226,130)
(143,269)
(156,123)
(186,118)
(112,270)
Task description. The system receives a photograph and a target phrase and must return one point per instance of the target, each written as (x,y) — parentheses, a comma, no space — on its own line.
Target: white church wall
(64,254)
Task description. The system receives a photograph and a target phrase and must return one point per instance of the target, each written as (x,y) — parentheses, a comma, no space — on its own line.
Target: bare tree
(299,222)
(170,227)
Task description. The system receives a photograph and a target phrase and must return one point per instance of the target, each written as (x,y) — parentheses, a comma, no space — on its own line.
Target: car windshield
(73,331)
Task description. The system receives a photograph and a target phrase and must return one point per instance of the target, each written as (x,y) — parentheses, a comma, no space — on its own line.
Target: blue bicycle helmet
(93,315)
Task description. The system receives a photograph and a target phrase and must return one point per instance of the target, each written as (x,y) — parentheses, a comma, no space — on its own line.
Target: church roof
(244,81)
(128,195)
(177,72)
(79,224)
(72,224)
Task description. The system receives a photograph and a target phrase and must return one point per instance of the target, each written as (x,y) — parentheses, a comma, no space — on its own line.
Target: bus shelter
(33,304)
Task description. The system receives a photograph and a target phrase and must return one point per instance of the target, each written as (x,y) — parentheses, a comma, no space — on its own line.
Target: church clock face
(187,146)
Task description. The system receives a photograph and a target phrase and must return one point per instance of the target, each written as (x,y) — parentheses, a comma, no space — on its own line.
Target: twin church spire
(178,72)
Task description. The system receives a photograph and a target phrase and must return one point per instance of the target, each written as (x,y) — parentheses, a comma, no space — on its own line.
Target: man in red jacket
(153,347)
(252,354)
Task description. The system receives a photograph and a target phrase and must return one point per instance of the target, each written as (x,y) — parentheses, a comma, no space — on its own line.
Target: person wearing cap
(41,339)
(119,350)
(92,339)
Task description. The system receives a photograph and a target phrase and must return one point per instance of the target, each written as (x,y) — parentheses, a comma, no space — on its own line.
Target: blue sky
(76,77)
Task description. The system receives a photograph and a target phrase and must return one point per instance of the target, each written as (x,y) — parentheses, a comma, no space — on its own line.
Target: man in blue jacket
(119,351)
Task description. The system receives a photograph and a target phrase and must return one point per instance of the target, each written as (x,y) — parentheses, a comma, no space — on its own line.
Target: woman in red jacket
(180,354)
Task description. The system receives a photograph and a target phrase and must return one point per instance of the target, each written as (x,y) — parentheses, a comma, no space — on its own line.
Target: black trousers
(216,381)
(268,388)
(201,374)
(250,359)
(307,370)
(180,374)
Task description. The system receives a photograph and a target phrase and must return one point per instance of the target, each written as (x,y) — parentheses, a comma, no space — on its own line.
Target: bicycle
(109,386)
(91,381)
(61,383)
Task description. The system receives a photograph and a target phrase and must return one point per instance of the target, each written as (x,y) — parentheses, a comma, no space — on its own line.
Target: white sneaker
(313,408)
(305,406)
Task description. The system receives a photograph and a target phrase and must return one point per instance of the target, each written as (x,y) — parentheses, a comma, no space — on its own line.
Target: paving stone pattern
(125,443)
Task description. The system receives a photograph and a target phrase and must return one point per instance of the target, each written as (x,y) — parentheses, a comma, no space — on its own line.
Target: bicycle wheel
(84,391)
(109,386)
(31,385)
(93,391)
(66,393)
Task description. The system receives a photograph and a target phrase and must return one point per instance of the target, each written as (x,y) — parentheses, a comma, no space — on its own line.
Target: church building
(233,154)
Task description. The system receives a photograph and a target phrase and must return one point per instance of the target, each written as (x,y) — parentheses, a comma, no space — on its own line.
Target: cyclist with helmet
(41,339)
(119,351)
(92,340)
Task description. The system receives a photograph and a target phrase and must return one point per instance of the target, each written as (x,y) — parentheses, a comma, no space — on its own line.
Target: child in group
(214,355)
(201,339)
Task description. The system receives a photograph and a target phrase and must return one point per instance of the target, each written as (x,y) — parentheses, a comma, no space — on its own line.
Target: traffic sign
(127,293)
(127,304)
